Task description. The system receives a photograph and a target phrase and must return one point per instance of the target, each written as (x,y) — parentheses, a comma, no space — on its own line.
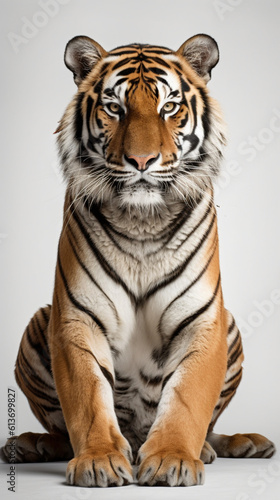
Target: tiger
(136,358)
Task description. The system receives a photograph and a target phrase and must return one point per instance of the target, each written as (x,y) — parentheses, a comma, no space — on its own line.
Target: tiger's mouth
(150,168)
(150,187)
(149,176)
(141,193)
(156,186)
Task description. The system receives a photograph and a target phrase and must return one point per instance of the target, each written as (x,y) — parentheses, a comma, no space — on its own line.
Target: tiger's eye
(114,107)
(169,107)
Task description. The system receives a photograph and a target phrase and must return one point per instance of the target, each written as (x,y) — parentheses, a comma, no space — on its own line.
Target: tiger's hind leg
(34,377)
(241,445)
(34,447)
(238,445)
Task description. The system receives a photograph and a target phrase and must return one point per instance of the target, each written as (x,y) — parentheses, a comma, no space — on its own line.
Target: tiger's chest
(141,292)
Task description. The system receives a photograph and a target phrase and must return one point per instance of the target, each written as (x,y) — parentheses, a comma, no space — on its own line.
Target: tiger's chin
(142,198)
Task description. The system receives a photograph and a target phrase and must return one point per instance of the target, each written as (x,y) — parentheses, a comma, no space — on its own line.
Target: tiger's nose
(141,162)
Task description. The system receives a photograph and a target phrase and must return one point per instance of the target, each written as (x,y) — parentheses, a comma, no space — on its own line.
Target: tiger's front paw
(93,469)
(169,468)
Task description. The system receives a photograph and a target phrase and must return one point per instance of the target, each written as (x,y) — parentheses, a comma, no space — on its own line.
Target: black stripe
(161,61)
(104,264)
(161,355)
(178,65)
(109,92)
(236,338)
(44,314)
(157,71)
(184,120)
(57,301)
(231,326)
(193,140)
(75,301)
(204,269)
(192,137)
(174,93)
(149,404)
(90,103)
(195,315)
(113,307)
(104,68)
(104,370)
(169,232)
(126,72)
(229,391)
(187,357)
(91,139)
(125,380)
(154,381)
(41,351)
(107,227)
(206,112)
(42,332)
(123,422)
(48,409)
(203,218)
(108,376)
(119,82)
(32,373)
(193,106)
(124,389)
(166,379)
(121,63)
(181,220)
(237,374)
(158,50)
(122,52)
(162,80)
(124,409)
(79,116)
(233,358)
(97,89)
(174,274)
(184,85)
(37,392)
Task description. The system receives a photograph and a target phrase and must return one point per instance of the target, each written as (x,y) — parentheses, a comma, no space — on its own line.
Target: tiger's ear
(81,54)
(202,53)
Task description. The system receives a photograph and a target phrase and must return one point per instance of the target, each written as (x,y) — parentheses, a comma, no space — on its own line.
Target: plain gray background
(35,89)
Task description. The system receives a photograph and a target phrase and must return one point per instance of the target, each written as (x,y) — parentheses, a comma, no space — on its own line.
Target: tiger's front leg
(171,454)
(83,373)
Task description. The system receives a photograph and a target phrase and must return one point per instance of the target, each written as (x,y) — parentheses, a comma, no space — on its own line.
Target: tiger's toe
(89,470)
(207,455)
(170,469)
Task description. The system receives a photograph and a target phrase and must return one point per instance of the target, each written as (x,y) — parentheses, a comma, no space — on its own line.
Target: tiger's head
(142,129)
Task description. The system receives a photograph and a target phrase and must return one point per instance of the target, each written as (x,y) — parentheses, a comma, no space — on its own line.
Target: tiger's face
(142,128)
